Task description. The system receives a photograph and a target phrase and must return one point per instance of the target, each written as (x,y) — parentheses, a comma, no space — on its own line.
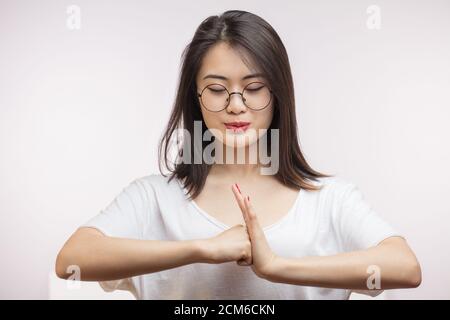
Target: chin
(240,140)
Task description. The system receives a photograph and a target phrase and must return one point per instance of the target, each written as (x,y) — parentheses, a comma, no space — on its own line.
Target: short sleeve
(359,226)
(126,215)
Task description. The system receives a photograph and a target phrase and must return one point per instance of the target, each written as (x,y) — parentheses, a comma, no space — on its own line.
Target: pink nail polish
(238,188)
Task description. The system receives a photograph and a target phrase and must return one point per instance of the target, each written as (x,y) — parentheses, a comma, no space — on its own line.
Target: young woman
(256,229)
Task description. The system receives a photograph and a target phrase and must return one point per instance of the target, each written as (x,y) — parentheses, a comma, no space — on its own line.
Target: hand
(230,245)
(263,257)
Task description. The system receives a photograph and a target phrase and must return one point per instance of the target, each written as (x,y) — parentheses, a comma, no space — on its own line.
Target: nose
(236,105)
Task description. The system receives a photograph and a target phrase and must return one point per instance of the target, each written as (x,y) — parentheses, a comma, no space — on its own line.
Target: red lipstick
(237,126)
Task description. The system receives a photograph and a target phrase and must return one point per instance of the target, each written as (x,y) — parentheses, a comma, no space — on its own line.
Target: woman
(263,227)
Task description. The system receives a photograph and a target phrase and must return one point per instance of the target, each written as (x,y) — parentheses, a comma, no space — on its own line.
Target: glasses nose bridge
(239,93)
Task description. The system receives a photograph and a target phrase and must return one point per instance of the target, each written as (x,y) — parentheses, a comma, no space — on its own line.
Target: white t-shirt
(330,221)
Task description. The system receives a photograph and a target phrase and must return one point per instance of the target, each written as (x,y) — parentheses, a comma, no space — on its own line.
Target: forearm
(101,258)
(395,268)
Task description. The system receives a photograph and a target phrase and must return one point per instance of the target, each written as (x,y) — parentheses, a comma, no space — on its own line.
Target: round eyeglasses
(255,95)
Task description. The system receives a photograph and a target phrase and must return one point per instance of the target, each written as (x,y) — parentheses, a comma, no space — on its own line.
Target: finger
(238,195)
(252,219)
(251,214)
(240,200)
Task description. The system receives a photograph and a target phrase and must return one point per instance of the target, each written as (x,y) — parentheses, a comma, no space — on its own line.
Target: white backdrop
(82,110)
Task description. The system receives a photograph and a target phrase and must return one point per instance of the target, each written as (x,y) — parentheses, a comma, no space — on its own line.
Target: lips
(237,126)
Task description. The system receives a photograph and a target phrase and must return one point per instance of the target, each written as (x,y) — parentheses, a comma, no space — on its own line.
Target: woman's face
(221,60)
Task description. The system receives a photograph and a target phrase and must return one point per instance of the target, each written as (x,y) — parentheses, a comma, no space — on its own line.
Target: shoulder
(152,178)
(334,185)
(156,185)
(333,191)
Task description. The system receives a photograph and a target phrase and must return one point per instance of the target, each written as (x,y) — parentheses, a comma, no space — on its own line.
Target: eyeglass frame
(199,95)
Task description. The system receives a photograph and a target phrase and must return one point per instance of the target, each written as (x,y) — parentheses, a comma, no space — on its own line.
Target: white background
(82,111)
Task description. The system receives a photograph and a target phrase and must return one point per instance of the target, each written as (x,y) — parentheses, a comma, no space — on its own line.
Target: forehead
(222,59)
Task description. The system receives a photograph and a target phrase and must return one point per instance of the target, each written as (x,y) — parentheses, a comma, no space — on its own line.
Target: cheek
(205,115)
(265,117)
(209,119)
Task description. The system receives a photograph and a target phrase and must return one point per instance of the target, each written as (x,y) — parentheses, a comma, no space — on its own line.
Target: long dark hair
(249,33)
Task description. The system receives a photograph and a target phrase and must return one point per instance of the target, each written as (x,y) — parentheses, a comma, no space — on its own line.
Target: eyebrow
(216,76)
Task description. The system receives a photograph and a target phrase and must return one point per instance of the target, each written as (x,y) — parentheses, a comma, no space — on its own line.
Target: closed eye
(215,90)
(253,89)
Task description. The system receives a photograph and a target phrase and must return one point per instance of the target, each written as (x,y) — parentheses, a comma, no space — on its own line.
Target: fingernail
(238,188)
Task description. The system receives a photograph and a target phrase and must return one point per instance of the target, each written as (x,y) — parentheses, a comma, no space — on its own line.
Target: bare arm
(392,262)
(102,258)
(396,263)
